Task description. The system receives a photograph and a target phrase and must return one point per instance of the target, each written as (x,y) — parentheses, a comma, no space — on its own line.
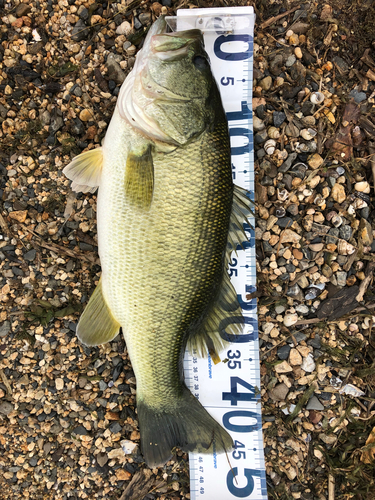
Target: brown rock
(316,247)
(283,367)
(18,23)
(22,9)
(295,358)
(326,13)
(338,193)
(315,161)
(156,7)
(365,232)
(91,132)
(86,115)
(289,236)
(123,475)
(261,193)
(315,417)
(111,415)
(19,215)
(297,254)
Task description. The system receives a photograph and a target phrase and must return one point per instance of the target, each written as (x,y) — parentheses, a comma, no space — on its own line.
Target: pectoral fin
(85,171)
(97,324)
(139,178)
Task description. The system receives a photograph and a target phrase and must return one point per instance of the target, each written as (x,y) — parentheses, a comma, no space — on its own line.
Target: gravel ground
(68,423)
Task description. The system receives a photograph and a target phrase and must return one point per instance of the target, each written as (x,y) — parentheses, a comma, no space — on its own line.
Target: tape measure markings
(230,391)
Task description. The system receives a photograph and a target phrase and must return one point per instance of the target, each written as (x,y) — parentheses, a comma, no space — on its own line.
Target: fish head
(172,86)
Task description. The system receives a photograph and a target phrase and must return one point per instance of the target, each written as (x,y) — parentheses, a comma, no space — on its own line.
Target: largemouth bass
(169,217)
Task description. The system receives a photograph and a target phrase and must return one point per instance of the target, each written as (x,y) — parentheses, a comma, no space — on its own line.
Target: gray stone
(115,427)
(80,31)
(358,96)
(115,72)
(365,212)
(279,118)
(288,163)
(335,234)
(279,392)
(57,121)
(295,292)
(345,232)
(80,431)
(6,408)
(284,222)
(30,255)
(299,337)
(102,385)
(4,329)
(137,23)
(314,404)
(145,17)
(33,461)
(77,91)
(83,13)
(315,342)
(341,63)
(341,278)
(260,137)
(283,352)
(102,459)
(331,181)
(302,309)
(290,60)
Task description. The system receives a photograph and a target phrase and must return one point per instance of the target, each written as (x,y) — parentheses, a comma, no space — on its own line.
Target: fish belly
(161,268)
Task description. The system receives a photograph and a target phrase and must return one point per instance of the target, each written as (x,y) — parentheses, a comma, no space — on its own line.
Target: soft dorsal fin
(225,311)
(85,170)
(139,178)
(241,212)
(97,325)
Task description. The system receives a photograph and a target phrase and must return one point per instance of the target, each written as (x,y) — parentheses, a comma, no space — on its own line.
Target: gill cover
(165,97)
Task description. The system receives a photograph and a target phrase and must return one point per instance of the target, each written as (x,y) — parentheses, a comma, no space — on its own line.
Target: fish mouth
(175,46)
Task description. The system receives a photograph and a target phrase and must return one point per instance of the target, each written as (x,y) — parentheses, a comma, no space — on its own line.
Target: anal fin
(97,324)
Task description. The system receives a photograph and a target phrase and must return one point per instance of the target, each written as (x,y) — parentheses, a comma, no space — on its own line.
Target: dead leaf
(368,454)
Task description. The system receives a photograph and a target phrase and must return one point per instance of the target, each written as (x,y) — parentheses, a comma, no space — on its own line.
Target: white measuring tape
(230,391)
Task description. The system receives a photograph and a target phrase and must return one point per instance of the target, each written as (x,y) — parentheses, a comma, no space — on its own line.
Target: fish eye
(200,62)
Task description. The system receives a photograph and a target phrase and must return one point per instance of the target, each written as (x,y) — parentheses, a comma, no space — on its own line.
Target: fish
(168,218)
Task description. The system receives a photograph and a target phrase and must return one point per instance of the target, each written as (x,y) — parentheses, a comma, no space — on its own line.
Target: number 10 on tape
(230,391)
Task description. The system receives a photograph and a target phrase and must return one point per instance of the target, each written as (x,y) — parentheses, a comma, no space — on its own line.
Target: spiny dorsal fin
(85,171)
(139,178)
(97,324)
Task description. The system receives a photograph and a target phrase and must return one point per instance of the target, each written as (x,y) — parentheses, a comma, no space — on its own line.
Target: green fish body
(168,218)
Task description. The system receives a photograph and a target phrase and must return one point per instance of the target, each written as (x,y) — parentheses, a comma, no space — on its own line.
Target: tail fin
(188,425)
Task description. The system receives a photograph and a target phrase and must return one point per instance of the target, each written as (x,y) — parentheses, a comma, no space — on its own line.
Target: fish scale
(175,229)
